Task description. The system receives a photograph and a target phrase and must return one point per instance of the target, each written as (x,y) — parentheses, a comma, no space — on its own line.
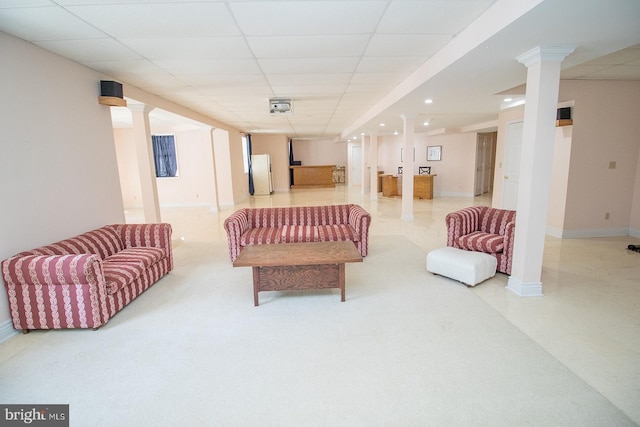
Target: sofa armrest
(56,291)
(56,270)
(462,222)
(360,220)
(157,235)
(235,225)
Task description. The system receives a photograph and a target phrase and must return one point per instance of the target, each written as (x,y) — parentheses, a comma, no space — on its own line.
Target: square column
(373,163)
(408,134)
(543,81)
(146,165)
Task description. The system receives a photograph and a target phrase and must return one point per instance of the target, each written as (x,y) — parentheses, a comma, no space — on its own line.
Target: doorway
(513,148)
(485,162)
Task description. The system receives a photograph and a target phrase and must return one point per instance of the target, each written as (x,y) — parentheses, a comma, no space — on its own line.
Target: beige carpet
(406,349)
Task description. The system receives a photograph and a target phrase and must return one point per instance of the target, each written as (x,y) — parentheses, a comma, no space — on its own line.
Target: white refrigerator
(261,167)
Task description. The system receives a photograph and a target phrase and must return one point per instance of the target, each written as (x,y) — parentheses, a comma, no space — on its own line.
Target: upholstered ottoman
(467,267)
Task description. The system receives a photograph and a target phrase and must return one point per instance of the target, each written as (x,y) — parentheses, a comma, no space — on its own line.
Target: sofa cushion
(145,256)
(262,235)
(336,233)
(482,242)
(299,233)
(117,275)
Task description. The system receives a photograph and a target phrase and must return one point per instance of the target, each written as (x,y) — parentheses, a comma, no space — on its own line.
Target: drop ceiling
(348,65)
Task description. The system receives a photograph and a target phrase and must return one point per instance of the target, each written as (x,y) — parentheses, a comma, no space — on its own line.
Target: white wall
(455,171)
(605,129)
(320,152)
(277,146)
(59,168)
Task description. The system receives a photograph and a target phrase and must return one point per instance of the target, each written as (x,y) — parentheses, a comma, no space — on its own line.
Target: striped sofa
(484,229)
(83,281)
(254,226)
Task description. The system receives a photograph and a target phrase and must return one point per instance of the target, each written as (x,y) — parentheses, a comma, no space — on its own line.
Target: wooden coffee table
(296,266)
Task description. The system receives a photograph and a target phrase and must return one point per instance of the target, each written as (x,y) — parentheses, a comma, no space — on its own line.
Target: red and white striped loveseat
(83,281)
(484,229)
(253,226)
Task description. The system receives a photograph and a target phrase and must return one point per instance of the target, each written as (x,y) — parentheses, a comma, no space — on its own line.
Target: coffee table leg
(341,280)
(256,285)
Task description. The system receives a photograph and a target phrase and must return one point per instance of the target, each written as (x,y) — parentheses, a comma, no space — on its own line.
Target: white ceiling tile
(308,65)
(431,17)
(285,91)
(45,23)
(424,45)
(201,48)
(126,68)
(379,78)
(104,49)
(179,19)
(309,79)
(387,64)
(221,66)
(213,80)
(264,18)
(308,46)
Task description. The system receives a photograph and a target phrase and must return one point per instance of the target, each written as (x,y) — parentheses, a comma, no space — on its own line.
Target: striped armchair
(484,229)
(255,226)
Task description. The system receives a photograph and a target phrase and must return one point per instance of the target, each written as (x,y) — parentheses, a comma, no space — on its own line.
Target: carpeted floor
(407,348)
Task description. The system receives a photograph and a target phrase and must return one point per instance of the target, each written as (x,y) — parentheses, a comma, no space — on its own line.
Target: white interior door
(355,169)
(513,148)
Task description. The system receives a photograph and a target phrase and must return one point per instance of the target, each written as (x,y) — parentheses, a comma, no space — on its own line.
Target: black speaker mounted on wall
(563,116)
(111,94)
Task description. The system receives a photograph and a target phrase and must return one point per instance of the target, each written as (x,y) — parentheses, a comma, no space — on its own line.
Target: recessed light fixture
(395,132)
(508,99)
(425,124)
(382,125)
(361,133)
(428,101)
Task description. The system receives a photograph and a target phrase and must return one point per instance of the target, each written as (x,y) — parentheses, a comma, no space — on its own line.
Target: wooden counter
(422,186)
(313,176)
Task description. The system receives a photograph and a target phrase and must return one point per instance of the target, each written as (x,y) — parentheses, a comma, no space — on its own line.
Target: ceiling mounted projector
(281,107)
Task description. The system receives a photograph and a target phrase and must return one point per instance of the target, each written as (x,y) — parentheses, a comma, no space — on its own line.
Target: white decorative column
(209,132)
(146,166)
(373,162)
(543,80)
(408,134)
(364,165)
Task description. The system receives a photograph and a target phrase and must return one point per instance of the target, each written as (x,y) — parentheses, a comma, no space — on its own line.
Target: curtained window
(164,155)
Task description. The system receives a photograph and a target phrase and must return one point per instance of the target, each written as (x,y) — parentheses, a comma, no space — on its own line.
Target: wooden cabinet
(390,186)
(422,186)
(313,176)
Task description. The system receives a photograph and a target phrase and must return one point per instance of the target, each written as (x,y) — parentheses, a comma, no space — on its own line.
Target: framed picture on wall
(424,170)
(434,152)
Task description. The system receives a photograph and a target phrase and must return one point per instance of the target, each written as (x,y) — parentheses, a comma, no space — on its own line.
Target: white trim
(452,194)
(634,232)
(595,232)
(7,331)
(533,289)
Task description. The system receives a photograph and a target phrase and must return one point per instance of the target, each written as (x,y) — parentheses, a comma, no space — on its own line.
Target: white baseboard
(595,232)
(7,331)
(453,194)
(634,232)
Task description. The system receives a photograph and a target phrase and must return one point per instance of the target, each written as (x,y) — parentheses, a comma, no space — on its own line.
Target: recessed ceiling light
(395,132)
(508,99)
(361,133)
(428,101)
(426,122)
(382,125)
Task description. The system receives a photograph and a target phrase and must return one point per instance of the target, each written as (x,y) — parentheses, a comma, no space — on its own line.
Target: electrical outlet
(612,165)
(606,215)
